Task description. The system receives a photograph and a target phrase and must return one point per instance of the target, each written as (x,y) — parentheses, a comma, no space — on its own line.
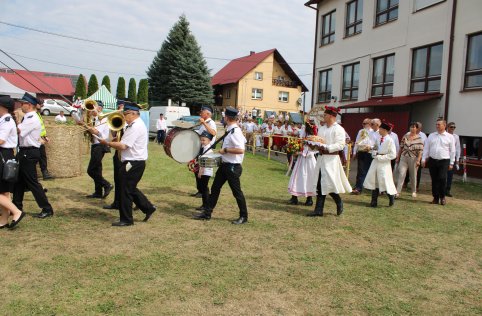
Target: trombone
(115,120)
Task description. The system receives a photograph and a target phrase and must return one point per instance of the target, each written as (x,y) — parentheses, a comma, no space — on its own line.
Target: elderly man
(331,178)
(439,154)
(61,118)
(361,152)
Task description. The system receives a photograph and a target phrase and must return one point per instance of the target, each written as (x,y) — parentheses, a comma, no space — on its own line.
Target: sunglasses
(366,123)
(452,127)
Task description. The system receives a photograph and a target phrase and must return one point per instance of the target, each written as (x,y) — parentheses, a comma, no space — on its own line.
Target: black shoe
(44,214)
(7,225)
(293,201)
(339,208)
(202,216)
(46,175)
(197,195)
(201,208)
(121,224)
(110,207)
(391,199)
(309,201)
(15,223)
(107,190)
(314,214)
(374,201)
(149,214)
(240,221)
(94,196)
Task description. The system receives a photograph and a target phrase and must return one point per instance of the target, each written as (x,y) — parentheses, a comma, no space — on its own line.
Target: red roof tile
(57,83)
(394,101)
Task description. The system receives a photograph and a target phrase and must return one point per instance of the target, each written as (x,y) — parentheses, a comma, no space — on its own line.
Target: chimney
(252,52)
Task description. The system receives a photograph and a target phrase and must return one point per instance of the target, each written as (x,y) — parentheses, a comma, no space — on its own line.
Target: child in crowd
(204,174)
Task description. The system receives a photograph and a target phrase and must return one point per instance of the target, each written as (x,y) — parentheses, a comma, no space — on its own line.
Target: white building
(394,59)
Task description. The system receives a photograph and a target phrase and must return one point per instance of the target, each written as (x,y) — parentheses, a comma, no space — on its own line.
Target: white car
(52,106)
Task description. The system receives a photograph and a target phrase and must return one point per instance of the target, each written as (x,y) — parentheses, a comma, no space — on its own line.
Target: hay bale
(64,150)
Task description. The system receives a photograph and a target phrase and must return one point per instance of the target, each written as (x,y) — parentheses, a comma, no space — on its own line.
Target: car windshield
(62,103)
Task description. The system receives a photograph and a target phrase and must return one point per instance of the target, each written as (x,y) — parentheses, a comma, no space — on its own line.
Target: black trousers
(94,170)
(117,190)
(364,161)
(161,136)
(336,197)
(438,172)
(43,159)
(231,173)
(27,178)
(129,192)
(202,185)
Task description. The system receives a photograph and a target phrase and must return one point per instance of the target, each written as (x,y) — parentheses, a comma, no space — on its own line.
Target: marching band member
(204,174)
(380,177)
(133,148)
(331,178)
(29,155)
(8,141)
(230,170)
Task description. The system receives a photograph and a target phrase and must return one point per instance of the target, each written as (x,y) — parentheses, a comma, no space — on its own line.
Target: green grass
(413,258)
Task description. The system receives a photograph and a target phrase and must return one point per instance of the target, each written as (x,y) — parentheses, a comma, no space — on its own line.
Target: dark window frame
(324,95)
(426,79)
(468,73)
(391,7)
(357,22)
(351,88)
(384,83)
(331,32)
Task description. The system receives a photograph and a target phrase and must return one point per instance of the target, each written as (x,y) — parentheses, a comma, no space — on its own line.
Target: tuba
(115,120)
(89,105)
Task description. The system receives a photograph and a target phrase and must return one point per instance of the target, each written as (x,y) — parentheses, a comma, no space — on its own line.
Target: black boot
(374,201)
(309,201)
(320,204)
(293,200)
(391,199)
(338,202)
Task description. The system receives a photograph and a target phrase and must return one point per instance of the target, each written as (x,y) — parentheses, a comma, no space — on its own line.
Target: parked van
(171,113)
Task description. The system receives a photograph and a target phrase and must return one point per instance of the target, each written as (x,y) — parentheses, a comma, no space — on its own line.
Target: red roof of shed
(54,83)
(394,101)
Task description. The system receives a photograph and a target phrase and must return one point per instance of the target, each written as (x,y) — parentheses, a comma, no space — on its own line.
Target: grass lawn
(413,258)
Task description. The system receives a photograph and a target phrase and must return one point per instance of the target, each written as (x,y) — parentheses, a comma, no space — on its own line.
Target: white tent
(110,102)
(9,89)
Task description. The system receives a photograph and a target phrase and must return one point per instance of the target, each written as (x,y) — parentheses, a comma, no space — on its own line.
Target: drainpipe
(314,55)
(449,68)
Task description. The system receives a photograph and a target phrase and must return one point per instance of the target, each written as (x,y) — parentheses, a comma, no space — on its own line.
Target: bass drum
(182,145)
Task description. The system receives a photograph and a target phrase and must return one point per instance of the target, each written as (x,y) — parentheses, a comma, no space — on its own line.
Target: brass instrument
(89,105)
(115,120)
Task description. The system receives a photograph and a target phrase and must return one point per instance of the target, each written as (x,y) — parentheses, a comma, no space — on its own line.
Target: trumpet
(115,120)
(89,105)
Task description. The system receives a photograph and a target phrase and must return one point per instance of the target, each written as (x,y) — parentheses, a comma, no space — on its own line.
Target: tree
(131,93)
(121,89)
(106,82)
(93,85)
(179,70)
(81,87)
(142,93)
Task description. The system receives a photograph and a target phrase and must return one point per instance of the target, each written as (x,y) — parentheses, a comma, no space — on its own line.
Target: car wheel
(46,112)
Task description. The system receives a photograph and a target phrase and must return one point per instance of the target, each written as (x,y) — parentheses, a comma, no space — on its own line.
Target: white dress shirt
(234,140)
(457,148)
(277,130)
(30,129)
(212,125)
(395,140)
(135,138)
(8,131)
(61,119)
(249,127)
(286,130)
(103,128)
(206,171)
(439,146)
(161,125)
(358,136)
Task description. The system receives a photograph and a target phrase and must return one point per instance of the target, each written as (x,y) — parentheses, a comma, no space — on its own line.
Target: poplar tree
(121,89)
(142,93)
(106,82)
(93,85)
(81,87)
(131,93)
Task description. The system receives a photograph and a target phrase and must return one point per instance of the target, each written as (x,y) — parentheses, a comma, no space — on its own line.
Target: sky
(225,29)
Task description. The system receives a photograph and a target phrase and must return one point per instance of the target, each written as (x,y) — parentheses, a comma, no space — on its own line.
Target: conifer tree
(93,85)
(81,87)
(131,93)
(142,93)
(106,82)
(121,89)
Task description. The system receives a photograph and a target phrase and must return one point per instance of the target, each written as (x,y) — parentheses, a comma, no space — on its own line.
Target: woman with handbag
(8,141)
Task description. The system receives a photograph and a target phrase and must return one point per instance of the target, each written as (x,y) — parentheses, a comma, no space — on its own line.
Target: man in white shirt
(230,170)
(439,154)
(161,127)
(61,118)
(394,137)
(361,152)
(249,127)
(133,148)
(451,129)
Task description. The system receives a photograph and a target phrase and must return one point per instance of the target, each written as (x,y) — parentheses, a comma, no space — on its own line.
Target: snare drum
(182,145)
(210,161)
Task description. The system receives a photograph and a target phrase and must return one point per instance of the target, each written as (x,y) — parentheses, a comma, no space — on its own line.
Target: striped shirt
(411,148)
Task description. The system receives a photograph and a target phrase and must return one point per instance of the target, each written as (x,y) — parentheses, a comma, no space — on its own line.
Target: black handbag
(10,170)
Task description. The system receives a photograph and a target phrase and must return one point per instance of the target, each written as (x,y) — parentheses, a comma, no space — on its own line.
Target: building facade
(410,60)
(260,81)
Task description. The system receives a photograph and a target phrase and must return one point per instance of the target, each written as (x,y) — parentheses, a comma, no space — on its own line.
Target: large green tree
(106,82)
(121,89)
(142,93)
(81,87)
(93,85)
(179,70)
(131,93)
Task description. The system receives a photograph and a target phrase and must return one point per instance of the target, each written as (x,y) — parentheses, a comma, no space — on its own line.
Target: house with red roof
(262,81)
(43,84)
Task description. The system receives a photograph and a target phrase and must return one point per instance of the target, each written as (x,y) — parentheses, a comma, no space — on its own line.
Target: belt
(331,154)
(99,144)
(230,164)
(28,147)
(6,149)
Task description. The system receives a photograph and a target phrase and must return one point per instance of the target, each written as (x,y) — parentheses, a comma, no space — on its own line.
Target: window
(387,10)
(383,74)
(228,94)
(283,96)
(258,76)
(350,82)
(426,69)
(473,67)
(421,4)
(257,94)
(328,28)
(354,17)
(324,86)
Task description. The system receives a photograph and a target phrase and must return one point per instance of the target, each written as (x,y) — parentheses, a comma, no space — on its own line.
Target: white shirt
(395,140)
(269,130)
(457,147)
(422,136)
(277,130)
(249,127)
(8,131)
(358,136)
(206,171)
(234,140)
(60,119)
(212,125)
(286,130)
(374,137)
(161,125)
(30,130)
(103,128)
(135,138)
(439,146)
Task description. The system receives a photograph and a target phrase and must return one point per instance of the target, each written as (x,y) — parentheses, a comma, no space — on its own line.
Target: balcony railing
(284,83)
